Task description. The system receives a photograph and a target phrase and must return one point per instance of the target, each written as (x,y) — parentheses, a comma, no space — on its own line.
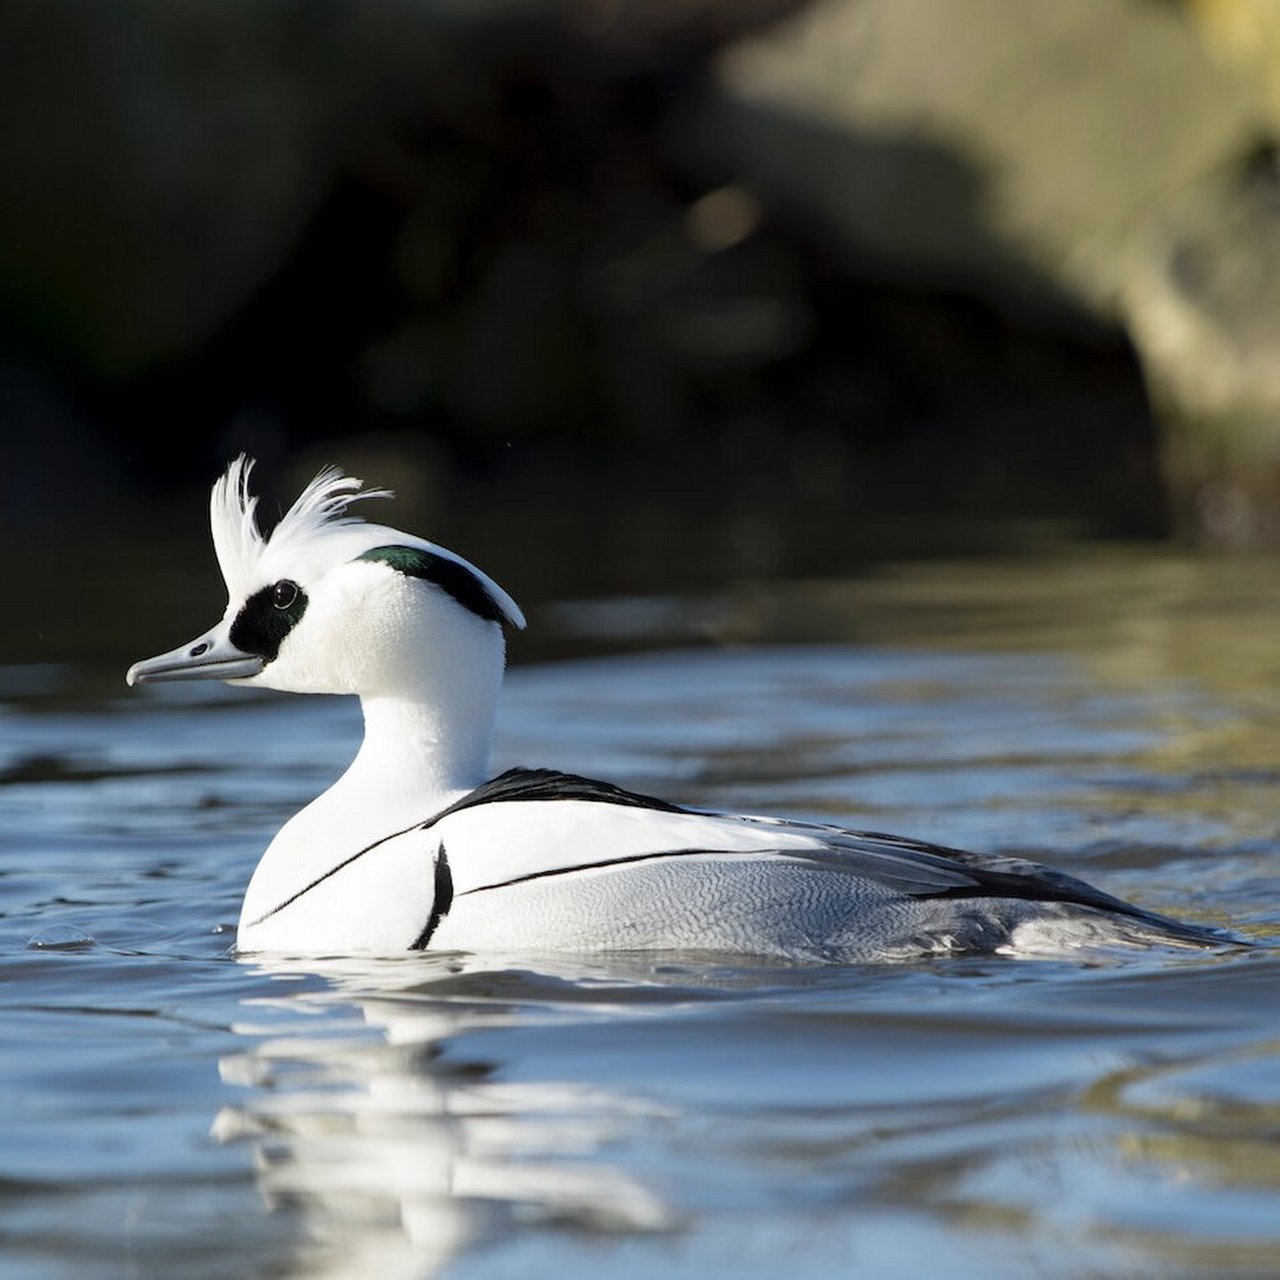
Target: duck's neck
(426,737)
(417,756)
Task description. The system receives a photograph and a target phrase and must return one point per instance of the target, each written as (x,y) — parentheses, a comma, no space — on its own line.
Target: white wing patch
(493,844)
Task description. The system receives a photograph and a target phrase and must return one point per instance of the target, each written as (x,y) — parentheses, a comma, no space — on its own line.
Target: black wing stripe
(550,784)
(657,856)
(1058,888)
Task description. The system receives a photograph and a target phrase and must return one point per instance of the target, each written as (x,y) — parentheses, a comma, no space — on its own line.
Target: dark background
(608,308)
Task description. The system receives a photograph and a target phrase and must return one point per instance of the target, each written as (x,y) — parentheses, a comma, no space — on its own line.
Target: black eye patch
(450,576)
(266,617)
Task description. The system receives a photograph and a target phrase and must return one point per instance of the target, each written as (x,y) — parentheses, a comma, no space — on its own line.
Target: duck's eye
(284,593)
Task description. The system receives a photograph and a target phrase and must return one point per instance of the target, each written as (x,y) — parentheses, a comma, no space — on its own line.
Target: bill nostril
(198,649)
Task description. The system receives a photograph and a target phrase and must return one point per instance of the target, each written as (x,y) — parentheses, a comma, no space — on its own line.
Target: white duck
(415,846)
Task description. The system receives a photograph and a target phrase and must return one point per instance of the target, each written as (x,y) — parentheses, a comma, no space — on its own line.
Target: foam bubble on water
(60,937)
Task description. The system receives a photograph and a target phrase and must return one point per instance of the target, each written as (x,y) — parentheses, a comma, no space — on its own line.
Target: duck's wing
(530,824)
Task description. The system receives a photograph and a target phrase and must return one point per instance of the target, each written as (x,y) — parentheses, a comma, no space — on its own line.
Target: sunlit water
(171,1110)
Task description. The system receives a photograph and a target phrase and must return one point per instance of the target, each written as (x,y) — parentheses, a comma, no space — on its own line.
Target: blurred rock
(573,238)
(1053,157)
(1033,130)
(1201,292)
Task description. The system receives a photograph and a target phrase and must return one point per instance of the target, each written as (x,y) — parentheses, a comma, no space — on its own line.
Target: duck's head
(328,603)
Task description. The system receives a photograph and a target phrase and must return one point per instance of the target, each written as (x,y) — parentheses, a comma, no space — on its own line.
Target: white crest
(314,534)
(239,544)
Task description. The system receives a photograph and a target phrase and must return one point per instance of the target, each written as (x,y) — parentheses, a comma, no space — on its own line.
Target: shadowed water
(169,1109)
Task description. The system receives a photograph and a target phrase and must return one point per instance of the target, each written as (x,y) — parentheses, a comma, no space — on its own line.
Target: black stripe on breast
(333,871)
(441,901)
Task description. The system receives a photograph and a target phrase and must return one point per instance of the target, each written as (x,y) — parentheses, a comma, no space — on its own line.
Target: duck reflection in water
(396,1141)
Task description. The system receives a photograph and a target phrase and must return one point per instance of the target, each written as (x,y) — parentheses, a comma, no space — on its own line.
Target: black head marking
(450,576)
(267,616)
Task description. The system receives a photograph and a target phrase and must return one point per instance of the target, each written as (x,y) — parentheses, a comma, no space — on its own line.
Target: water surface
(170,1109)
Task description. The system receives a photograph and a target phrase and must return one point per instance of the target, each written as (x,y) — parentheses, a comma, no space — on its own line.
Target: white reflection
(397,1147)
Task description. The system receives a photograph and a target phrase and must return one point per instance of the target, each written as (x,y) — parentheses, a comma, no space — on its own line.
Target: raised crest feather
(239,544)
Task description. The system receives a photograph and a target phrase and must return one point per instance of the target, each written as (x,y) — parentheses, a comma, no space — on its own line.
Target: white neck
(426,735)
(417,756)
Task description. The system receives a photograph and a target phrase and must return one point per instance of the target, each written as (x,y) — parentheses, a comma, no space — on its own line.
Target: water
(169,1109)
